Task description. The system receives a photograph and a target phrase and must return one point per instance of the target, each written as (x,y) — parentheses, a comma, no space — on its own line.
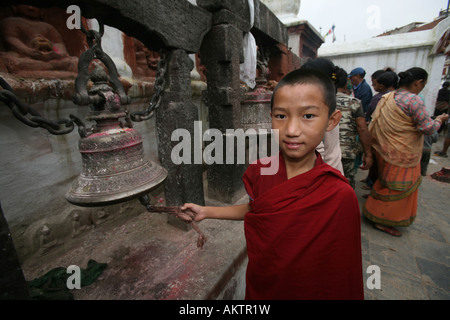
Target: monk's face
(300,114)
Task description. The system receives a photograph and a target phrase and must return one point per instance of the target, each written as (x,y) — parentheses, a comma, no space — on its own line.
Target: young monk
(302,224)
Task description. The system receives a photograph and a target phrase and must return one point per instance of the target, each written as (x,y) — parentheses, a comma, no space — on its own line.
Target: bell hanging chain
(95,51)
(159,86)
(33,118)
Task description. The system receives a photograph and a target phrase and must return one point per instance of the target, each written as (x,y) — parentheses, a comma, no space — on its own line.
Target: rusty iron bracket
(95,51)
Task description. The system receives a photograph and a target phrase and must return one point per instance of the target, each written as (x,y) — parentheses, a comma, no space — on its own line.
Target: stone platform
(149,258)
(32,91)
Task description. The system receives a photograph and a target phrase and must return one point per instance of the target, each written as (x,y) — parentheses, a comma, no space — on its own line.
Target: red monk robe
(303,235)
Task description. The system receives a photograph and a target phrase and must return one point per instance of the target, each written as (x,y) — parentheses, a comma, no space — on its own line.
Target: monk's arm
(199,213)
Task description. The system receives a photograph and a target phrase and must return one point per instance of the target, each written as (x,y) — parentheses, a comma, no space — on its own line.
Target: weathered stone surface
(157,23)
(282,61)
(239,7)
(34,48)
(434,274)
(267,27)
(184,181)
(227,17)
(221,54)
(149,259)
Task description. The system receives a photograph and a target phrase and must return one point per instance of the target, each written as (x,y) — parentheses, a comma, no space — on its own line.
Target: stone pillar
(221,54)
(184,182)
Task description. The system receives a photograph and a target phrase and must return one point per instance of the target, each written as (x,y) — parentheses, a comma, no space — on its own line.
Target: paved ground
(415,266)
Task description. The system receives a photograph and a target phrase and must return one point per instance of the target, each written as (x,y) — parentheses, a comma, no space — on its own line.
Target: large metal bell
(114,168)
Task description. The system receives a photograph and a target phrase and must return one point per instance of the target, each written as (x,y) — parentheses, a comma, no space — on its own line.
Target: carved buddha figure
(34,48)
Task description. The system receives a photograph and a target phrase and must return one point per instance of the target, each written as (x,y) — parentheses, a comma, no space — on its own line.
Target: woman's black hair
(388,79)
(409,76)
(377,74)
(310,76)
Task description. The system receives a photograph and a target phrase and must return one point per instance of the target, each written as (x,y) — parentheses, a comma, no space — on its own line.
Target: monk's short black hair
(310,76)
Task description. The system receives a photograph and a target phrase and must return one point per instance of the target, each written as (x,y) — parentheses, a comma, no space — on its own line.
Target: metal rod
(175,210)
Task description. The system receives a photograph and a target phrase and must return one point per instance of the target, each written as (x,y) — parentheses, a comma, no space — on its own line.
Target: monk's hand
(192,212)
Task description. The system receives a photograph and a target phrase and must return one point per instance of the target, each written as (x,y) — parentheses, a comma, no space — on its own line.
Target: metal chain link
(30,116)
(33,118)
(159,86)
(92,35)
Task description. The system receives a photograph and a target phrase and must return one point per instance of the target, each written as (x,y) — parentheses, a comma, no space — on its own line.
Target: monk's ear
(334,119)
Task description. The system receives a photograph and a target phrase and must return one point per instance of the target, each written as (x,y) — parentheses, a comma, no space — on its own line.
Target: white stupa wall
(399,52)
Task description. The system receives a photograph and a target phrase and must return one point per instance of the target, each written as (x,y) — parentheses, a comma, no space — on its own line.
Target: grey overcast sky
(361,19)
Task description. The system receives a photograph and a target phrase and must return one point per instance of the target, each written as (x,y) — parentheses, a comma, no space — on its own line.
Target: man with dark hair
(352,124)
(361,88)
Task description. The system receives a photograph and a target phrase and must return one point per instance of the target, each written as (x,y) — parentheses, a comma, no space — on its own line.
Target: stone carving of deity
(33,47)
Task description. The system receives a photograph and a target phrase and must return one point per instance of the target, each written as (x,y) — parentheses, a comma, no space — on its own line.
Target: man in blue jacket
(361,88)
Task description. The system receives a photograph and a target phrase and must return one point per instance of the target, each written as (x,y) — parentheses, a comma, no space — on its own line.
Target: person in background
(442,106)
(369,180)
(361,88)
(351,126)
(383,81)
(330,147)
(443,152)
(443,99)
(397,128)
(376,88)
